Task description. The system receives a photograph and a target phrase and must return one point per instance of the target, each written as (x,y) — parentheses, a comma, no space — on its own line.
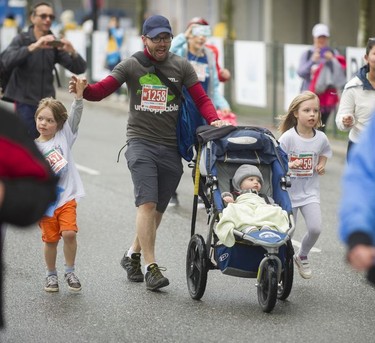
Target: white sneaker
(303,266)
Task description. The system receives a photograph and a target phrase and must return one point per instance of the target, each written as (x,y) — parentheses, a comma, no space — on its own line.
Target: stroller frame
(274,276)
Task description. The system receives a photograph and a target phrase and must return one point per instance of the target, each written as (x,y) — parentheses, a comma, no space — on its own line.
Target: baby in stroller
(251,210)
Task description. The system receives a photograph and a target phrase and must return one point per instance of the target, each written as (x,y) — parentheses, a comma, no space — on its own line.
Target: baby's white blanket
(249,209)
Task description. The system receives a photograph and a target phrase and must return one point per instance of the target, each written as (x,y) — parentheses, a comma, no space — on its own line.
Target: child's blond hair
(289,120)
(60,114)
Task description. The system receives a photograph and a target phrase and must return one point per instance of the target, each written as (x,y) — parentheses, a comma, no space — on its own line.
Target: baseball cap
(156,24)
(320,30)
(244,171)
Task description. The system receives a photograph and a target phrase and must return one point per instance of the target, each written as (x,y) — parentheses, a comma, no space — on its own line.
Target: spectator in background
(310,66)
(115,41)
(192,45)
(27,184)
(10,21)
(32,56)
(358,98)
(68,22)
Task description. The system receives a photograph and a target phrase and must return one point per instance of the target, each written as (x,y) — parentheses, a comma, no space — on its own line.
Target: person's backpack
(6,73)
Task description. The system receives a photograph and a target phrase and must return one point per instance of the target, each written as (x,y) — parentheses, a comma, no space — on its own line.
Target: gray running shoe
(52,284)
(132,265)
(73,282)
(154,277)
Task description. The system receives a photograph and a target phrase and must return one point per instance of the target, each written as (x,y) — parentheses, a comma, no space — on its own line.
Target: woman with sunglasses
(32,56)
(192,45)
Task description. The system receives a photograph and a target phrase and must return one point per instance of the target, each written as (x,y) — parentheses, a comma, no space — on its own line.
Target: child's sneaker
(52,284)
(132,265)
(154,277)
(303,266)
(73,282)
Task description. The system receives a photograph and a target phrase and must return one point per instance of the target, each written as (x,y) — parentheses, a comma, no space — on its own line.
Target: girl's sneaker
(52,284)
(303,266)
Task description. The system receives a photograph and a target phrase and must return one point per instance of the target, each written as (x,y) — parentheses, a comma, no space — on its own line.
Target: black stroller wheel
(267,287)
(196,267)
(286,280)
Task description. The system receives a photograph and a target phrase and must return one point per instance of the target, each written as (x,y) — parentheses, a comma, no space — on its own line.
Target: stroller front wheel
(196,267)
(267,286)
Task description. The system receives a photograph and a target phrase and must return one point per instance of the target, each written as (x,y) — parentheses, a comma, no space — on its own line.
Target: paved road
(336,305)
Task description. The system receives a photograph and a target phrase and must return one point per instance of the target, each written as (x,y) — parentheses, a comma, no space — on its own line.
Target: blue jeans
(26,113)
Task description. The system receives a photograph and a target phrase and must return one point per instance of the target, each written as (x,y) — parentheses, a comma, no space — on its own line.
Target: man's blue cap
(156,24)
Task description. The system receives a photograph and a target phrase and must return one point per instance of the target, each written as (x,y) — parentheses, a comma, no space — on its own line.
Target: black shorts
(156,172)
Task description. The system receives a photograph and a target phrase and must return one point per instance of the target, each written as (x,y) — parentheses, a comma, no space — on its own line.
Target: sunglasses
(45,16)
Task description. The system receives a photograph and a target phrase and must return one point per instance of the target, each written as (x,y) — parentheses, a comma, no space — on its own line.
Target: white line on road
(298,245)
(87,170)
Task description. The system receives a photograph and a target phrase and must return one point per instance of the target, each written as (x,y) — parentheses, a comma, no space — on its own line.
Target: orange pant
(64,219)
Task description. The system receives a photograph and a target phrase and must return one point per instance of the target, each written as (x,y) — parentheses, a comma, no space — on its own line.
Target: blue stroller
(264,254)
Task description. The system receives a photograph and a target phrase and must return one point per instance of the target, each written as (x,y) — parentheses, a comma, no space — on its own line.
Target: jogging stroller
(264,254)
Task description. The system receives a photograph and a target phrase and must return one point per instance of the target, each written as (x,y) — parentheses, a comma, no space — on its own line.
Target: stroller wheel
(196,267)
(267,286)
(286,280)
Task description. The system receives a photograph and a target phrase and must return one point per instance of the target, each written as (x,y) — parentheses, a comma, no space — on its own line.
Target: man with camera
(32,56)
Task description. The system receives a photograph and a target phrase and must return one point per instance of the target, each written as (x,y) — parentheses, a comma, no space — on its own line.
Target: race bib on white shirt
(56,160)
(307,168)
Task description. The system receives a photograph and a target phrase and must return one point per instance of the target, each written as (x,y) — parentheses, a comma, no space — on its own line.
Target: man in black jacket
(32,56)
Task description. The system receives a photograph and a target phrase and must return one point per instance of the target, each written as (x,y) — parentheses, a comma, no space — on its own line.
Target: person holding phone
(32,56)
(311,60)
(192,45)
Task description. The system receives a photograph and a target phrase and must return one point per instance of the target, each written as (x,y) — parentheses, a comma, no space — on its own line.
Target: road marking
(298,245)
(87,170)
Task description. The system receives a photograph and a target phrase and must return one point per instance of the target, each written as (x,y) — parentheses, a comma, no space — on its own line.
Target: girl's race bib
(307,168)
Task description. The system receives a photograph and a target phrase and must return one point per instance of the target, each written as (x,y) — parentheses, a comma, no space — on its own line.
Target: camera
(56,43)
(201,30)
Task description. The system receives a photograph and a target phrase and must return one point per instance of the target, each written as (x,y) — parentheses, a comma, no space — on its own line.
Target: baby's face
(251,182)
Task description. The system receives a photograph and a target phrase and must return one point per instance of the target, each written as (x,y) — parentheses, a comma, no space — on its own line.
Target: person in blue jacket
(357,207)
(192,45)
